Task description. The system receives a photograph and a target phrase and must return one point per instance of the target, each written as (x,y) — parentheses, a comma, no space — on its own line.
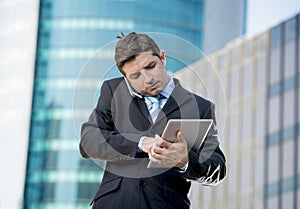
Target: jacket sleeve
(99,137)
(207,165)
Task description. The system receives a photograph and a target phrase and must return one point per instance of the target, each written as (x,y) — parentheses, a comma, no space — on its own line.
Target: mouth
(152,87)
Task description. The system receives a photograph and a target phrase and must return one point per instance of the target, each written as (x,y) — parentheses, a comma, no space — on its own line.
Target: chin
(157,92)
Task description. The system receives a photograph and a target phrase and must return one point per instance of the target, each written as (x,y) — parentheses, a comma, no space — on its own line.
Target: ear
(163,57)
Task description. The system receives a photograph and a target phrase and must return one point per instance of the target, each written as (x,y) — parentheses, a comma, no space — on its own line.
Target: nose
(147,77)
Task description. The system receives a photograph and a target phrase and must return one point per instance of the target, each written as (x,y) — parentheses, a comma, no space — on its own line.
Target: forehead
(141,61)
(144,56)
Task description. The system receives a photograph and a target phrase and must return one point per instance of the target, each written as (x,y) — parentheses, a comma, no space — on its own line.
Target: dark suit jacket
(112,133)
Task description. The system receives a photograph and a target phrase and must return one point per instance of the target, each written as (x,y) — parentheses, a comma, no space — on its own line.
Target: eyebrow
(150,63)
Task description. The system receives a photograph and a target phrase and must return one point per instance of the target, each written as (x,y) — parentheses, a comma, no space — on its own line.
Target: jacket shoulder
(203,101)
(114,81)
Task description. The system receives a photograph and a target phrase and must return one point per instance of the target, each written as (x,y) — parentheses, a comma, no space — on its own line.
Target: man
(124,129)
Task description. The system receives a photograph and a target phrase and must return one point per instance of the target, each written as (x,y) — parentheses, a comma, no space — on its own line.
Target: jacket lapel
(135,106)
(142,108)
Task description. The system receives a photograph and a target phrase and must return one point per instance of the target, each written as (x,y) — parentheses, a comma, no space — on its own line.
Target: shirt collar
(169,88)
(166,92)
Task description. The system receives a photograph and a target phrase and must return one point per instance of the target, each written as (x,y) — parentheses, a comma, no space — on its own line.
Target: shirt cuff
(183,169)
(140,144)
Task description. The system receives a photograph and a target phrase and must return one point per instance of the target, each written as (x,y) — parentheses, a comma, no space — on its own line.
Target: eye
(151,66)
(135,75)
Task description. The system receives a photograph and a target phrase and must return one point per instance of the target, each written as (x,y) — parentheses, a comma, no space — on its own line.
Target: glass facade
(69,33)
(260,80)
(18,22)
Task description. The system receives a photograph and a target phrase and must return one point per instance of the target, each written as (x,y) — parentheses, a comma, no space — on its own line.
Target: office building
(255,85)
(18,23)
(223,21)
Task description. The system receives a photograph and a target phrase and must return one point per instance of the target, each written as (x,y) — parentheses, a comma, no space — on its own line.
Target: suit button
(143,183)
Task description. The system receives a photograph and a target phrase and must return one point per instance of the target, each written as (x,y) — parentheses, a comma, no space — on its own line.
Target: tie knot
(160,96)
(155,99)
(154,105)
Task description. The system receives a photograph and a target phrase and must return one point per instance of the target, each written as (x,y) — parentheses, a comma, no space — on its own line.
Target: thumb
(179,137)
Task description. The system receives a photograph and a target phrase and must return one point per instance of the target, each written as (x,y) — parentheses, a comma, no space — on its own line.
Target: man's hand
(168,153)
(148,143)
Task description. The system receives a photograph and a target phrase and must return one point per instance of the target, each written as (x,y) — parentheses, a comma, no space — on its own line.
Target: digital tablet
(193,131)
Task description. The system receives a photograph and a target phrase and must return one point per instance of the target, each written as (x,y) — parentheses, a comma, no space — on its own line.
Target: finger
(163,143)
(159,140)
(154,160)
(160,159)
(158,150)
(154,157)
(179,137)
(147,143)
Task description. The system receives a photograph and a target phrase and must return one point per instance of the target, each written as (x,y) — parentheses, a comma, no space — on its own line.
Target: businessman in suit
(125,130)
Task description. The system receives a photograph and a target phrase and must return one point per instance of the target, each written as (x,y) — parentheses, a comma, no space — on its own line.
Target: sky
(264,14)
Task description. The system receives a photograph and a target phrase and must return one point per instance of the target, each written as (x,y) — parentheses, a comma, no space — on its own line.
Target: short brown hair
(131,45)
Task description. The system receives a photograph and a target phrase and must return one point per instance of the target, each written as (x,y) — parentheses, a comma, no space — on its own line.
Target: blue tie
(155,105)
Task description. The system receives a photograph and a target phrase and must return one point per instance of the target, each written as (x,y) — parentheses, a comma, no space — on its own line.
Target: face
(146,73)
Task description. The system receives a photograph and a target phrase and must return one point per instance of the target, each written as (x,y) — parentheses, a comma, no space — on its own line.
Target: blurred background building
(18,26)
(222,21)
(260,77)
